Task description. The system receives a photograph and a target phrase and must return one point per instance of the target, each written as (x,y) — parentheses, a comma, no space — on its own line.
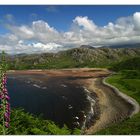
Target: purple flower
(6,115)
(5,90)
(8,119)
(7,108)
(7,124)
(4,80)
(7,104)
(7,97)
(4,97)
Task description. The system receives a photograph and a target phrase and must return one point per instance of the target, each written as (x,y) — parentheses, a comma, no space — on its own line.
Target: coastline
(128,99)
(78,76)
(93,113)
(110,112)
(107,104)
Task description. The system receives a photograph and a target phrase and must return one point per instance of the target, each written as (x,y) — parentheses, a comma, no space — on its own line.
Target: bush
(130,74)
(129,64)
(23,123)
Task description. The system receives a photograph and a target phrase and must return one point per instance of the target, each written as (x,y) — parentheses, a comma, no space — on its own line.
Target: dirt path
(112,106)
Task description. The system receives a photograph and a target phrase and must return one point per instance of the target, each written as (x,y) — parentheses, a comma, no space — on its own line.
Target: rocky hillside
(77,57)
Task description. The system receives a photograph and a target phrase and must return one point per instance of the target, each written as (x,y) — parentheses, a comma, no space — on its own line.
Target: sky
(43,28)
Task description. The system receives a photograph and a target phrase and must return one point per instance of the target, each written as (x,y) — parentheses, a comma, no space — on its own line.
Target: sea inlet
(54,98)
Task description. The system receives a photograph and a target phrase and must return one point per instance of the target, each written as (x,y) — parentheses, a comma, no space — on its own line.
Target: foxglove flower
(4,97)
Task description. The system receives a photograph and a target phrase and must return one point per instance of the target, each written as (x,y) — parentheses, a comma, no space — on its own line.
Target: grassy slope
(23,123)
(128,64)
(132,88)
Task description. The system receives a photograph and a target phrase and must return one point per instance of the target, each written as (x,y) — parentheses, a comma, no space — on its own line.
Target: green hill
(77,57)
(127,80)
(129,64)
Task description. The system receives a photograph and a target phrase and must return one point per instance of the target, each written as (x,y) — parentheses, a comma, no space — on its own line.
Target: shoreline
(128,99)
(106,118)
(94,111)
(109,105)
(77,76)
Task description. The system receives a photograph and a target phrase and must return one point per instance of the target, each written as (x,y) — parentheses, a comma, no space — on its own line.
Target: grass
(24,123)
(131,87)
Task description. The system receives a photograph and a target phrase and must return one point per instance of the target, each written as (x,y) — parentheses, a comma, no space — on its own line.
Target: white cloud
(50,47)
(9,17)
(33,16)
(22,32)
(136,18)
(44,33)
(41,37)
(31,48)
(85,23)
(51,9)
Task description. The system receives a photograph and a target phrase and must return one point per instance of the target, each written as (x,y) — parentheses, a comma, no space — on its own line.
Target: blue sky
(54,28)
(61,17)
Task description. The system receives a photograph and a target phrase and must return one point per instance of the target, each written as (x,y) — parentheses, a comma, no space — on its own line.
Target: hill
(127,80)
(77,57)
(129,64)
(87,46)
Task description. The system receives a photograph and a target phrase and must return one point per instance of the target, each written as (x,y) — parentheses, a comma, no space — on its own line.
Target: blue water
(57,99)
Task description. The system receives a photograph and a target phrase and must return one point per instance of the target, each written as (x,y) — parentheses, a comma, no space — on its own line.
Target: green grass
(126,127)
(23,123)
(129,86)
(132,88)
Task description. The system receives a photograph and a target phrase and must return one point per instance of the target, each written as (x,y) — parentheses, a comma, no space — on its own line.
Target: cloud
(9,17)
(52,9)
(33,16)
(41,37)
(22,47)
(39,31)
(136,18)
(51,47)
(85,23)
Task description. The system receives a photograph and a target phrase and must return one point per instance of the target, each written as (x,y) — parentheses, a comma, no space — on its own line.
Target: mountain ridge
(76,57)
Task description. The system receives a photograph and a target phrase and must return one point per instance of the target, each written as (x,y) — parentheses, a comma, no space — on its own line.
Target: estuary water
(57,99)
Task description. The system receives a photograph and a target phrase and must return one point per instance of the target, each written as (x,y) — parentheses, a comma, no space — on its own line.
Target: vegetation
(126,80)
(18,122)
(124,61)
(126,127)
(129,64)
(74,58)
(23,123)
(4,98)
